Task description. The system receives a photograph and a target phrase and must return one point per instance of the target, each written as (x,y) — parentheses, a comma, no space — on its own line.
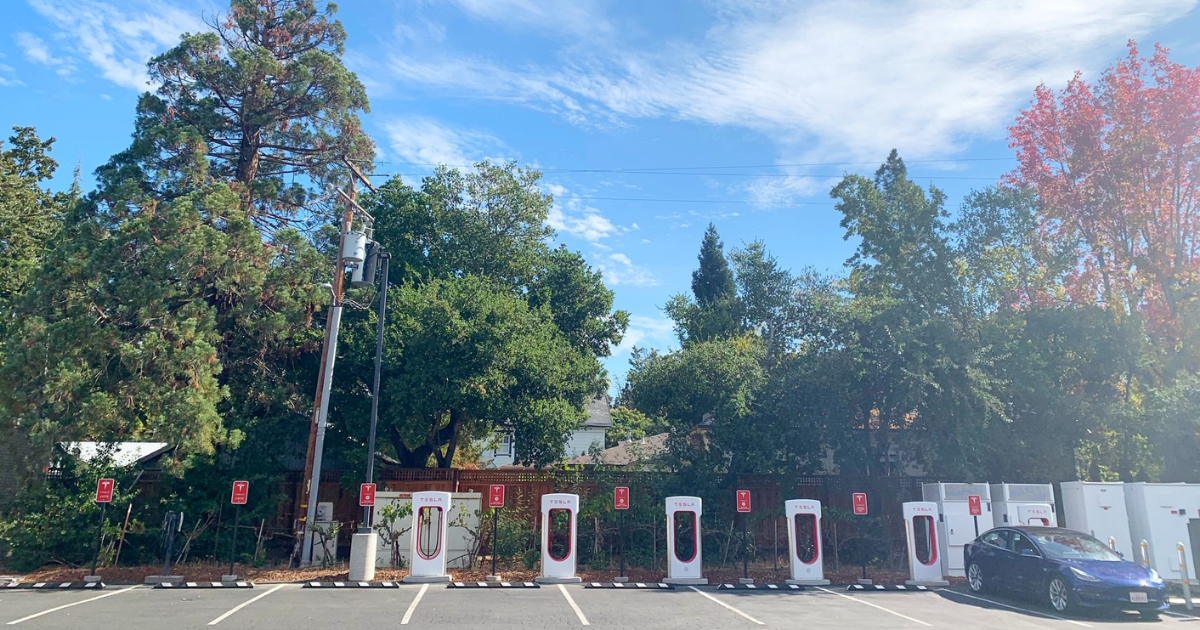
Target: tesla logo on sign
(104,490)
(975,502)
(496,496)
(683,504)
(743,500)
(241,492)
(559,502)
(621,498)
(366,495)
(860,503)
(921,508)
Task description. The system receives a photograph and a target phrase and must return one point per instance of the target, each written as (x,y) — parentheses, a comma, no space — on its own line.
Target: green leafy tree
(631,424)
(263,102)
(715,312)
(30,215)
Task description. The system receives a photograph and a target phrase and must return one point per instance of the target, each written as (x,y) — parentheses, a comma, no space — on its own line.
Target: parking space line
(727,606)
(57,608)
(1024,610)
(578,613)
(1179,614)
(874,605)
(413,606)
(243,605)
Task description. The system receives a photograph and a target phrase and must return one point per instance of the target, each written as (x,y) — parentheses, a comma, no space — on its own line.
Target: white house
(590,431)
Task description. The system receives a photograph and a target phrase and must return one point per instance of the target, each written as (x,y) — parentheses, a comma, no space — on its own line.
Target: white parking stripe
(727,606)
(243,605)
(46,612)
(874,605)
(578,613)
(413,606)
(1024,610)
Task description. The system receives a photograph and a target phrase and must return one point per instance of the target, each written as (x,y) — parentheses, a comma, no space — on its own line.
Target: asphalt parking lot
(289,606)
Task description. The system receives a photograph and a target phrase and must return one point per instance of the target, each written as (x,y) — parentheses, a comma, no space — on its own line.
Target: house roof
(627,452)
(599,413)
(123,453)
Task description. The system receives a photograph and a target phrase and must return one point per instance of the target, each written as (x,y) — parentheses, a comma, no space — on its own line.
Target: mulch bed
(212,571)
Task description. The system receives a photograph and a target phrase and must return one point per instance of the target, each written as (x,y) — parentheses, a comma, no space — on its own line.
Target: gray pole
(335,321)
(383,291)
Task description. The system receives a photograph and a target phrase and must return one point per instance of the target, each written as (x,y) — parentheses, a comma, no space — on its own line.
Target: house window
(506,445)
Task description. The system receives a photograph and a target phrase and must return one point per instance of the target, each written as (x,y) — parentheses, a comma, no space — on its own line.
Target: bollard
(1183,570)
(1146,553)
(1112,543)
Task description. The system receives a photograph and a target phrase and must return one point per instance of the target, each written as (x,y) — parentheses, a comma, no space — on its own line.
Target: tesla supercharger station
(956,525)
(804,542)
(684,560)
(1160,514)
(430,523)
(1098,508)
(921,531)
(558,567)
(1023,504)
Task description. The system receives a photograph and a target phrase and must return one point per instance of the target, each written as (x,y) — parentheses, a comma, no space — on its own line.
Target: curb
(631,586)
(170,585)
(757,587)
(351,584)
(493,585)
(894,588)
(56,586)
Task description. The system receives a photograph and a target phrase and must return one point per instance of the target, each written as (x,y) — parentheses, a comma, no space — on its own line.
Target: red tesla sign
(621,498)
(104,490)
(366,495)
(860,503)
(496,496)
(975,504)
(743,500)
(241,491)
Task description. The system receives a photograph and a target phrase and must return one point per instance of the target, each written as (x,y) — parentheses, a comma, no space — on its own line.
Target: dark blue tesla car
(1063,568)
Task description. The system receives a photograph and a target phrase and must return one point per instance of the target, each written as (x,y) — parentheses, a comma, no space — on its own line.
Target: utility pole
(316,435)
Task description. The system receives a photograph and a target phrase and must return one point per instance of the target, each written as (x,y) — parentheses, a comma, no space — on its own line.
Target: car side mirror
(1030,553)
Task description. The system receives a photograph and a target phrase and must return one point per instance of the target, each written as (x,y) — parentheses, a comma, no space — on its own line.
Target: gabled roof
(599,413)
(123,453)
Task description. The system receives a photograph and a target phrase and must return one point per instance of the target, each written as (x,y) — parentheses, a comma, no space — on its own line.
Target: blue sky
(649,119)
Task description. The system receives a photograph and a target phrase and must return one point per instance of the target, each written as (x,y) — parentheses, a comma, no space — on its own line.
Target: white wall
(578,443)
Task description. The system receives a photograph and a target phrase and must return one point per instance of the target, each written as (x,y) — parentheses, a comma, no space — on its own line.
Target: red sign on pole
(366,495)
(743,500)
(860,503)
(621,498)
(104,490)
(975,503)
(241,491)
(496,496)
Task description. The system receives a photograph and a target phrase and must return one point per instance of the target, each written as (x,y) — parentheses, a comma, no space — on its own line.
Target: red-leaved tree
(1115,164)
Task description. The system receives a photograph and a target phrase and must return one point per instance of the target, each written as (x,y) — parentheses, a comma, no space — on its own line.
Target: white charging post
(804,542)
(684,567)
(430,512)
(921,532)
(559,567)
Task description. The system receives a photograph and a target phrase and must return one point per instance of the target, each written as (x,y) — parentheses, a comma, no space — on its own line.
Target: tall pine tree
(716,311)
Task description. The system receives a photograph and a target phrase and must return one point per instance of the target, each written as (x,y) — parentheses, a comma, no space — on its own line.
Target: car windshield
(1072,546)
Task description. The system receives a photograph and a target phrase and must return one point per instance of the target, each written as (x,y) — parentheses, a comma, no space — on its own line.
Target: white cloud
(565,19)
(11,80)
(117,40)
(833,79)
(647,332)
(618,270)
(571,215)
(425,141)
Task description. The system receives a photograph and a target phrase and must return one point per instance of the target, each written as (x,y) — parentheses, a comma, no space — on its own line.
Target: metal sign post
(621,503)
(496,502)
(241,492)
(104,496)
(860,509)
(743,508)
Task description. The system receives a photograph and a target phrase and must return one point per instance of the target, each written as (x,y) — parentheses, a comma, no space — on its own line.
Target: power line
(698,168)
(807,176)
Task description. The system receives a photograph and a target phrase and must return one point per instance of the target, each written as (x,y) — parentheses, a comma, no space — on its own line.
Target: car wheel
(1059,594)
(975,578)
(1149,615)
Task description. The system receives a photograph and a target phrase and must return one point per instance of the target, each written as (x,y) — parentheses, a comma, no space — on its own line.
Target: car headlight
(1084,575)
(1155,578)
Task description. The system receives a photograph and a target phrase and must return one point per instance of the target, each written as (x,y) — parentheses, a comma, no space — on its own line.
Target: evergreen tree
(715,313)
(712,282)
